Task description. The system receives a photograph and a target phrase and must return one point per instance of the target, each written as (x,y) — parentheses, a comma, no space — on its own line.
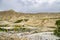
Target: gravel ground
(27,36)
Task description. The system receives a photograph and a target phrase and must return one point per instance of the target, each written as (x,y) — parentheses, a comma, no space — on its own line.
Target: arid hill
(43,20)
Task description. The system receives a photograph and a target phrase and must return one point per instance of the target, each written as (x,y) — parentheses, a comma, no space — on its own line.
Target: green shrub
(17,26)
(57,30)
(1,29)
(25,19)
(57,22)
(18,21)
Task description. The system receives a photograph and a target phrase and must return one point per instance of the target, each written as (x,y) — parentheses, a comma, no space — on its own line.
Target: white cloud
(30,5)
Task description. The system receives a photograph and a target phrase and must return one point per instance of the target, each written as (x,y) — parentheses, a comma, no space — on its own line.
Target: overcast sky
(31,5)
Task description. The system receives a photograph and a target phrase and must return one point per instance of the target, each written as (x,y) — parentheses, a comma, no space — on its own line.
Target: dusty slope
(43,20)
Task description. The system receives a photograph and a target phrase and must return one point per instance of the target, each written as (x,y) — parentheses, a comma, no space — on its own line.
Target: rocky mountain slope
(44,20)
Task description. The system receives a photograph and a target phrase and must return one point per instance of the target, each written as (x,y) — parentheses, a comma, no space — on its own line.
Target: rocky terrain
(26,36)
(23,26)
(44,21)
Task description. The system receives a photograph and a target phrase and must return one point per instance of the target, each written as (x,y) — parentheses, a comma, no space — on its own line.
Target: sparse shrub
(1,29)
(18,21)
(17,26)
(4,25)
(23,29)
(57,30)
(25,19)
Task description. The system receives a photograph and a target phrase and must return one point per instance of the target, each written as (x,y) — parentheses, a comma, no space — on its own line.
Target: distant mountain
(7,15)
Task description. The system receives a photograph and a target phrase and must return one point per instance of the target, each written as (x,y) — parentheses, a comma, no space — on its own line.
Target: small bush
(25,19)
(4,25)
(18,21)
(57,30)
(57,22)
(1,29)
